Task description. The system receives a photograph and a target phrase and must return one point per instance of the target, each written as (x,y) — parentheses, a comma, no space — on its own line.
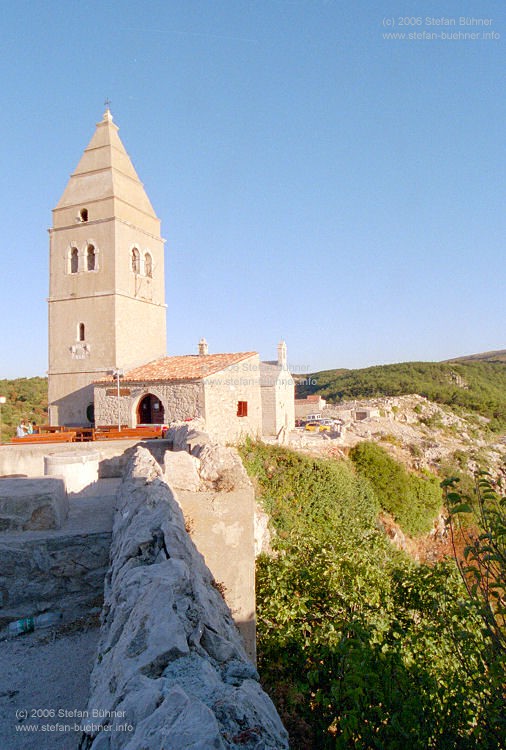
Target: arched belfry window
(81,332)
(91,258)
(74,260)
(83,214)
(148,265)
(136,260)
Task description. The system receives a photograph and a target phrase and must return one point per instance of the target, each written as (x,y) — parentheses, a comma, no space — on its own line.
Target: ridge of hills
(498,355)
(474,384)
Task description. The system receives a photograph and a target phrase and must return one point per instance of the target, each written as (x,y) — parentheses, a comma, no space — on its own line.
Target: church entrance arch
(150,410)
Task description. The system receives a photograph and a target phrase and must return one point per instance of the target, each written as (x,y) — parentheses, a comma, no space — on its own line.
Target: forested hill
(470,384)
(26,398)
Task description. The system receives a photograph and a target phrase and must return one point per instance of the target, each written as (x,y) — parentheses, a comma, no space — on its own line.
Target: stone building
(221,389)
(278,394)
(312,404)
(107,318)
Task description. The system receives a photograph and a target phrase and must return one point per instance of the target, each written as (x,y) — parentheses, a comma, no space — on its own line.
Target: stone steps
(59,569)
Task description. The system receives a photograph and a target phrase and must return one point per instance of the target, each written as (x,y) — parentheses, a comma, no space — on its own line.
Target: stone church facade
(107,316)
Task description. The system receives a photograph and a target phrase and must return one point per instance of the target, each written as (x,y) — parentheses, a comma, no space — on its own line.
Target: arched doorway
(150,410)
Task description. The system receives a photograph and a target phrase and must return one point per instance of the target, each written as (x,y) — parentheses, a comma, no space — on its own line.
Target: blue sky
(316,181)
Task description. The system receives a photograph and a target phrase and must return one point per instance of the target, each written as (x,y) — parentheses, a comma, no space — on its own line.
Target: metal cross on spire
(107,103)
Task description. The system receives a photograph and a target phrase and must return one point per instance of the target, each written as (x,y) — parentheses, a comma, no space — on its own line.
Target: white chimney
(203,348)
(282,361)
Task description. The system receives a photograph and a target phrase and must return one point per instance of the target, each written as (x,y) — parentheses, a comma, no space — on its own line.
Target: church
(107,318)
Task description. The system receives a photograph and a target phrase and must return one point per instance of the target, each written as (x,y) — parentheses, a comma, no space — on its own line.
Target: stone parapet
(171,662)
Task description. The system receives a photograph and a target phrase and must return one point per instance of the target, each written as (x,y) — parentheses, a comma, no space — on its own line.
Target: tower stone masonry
(107,289)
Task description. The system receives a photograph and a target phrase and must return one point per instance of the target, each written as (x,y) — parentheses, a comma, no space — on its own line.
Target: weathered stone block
(30,504)
(181,470)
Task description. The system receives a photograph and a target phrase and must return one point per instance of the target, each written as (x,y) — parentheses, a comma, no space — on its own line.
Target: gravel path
(46,672)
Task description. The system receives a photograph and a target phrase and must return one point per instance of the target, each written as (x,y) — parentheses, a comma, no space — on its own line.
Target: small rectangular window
(242,408)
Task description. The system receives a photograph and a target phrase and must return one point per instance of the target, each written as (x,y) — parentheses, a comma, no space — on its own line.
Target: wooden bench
(84,434)
(50,428)
(141,433)
(109,427)
(55,437)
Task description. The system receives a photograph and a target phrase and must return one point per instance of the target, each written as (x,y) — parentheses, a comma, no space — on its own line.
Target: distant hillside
(471,384)
(26,398)
(496,356)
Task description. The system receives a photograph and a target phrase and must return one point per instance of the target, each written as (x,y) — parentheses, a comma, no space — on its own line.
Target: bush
(413,501)
(358,646)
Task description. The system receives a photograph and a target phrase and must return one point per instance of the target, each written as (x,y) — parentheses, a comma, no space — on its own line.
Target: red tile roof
(186,367)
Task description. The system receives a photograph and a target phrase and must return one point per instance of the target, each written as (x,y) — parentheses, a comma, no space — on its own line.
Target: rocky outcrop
(171,670)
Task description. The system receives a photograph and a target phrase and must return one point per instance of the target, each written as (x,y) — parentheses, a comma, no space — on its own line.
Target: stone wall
(223,391)
(218,503)
(60,573)
(269,424)
(171,666)
(180,401)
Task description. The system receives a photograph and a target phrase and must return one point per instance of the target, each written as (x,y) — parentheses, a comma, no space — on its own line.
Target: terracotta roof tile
(185,367)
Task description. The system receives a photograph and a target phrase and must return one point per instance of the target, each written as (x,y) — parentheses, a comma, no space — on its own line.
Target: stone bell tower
(106,286)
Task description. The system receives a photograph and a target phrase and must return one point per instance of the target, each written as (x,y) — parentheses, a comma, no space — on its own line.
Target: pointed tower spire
(106,171)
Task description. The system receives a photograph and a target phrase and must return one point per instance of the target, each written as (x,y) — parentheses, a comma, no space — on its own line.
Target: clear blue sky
(316,181)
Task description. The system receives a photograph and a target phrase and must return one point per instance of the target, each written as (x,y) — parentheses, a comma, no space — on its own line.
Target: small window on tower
(148,265)
(74,260)
(242,408)
(83,213)
(82,332)
(90,258)
(136,261)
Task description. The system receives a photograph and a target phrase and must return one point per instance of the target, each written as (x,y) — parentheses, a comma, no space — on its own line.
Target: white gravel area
(44,681)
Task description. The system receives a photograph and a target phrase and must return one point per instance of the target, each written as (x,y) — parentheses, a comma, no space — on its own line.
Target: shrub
(359,647)
(413,501)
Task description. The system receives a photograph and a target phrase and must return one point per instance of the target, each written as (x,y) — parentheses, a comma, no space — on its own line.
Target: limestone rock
(181,470)
(262,532)
(179,433)
(221,468)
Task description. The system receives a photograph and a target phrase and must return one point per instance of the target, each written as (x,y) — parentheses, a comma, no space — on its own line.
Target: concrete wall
(269,422)
(218,503)
(285,401)
(28,460)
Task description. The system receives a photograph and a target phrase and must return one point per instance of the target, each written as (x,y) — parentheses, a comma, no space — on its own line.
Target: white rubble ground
(400,428)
